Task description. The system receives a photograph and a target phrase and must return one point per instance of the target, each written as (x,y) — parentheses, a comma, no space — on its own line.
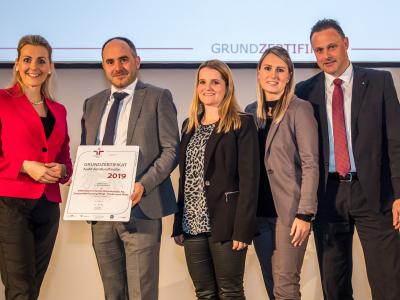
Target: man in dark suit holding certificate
(358,113)
(133,113)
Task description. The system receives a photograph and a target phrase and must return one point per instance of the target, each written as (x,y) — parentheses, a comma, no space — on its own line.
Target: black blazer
(375,133)
(231,175)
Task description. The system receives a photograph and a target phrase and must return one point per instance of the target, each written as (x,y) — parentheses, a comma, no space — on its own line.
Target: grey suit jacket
(153,127)
(291,161)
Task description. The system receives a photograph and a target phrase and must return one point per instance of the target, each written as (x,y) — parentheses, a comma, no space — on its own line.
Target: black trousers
(28,230)
(344,208)
(264,244)
(216,270)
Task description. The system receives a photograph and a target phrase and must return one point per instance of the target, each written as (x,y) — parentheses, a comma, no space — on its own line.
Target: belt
(349,177)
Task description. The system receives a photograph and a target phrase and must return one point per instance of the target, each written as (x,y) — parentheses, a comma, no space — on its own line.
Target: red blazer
(22,137)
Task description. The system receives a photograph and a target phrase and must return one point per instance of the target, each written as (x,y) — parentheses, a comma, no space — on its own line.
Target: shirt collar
(345,77)
(129,89)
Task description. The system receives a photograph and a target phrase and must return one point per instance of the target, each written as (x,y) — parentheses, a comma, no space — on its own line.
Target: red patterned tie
(342,159)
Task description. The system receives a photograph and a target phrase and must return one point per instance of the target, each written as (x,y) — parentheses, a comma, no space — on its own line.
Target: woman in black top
(219,173)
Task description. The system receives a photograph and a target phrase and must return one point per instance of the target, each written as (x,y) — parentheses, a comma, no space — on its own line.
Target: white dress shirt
(347,87)
(124,111)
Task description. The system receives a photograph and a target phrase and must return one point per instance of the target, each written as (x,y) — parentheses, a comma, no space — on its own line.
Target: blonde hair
(35,40)
(288,94)
(229,107)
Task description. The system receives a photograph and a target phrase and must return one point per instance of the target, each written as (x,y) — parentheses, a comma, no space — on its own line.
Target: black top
(48,123)
(231,176)
(266,207)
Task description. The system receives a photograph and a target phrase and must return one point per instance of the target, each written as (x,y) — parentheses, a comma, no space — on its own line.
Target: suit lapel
(319,98)
(54,133)
(360,84)
(210,147)
(271,134)
(97,111)
(272,131)
(137,104)
(182,151)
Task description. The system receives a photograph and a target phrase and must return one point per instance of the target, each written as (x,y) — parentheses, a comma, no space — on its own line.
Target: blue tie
(109,133)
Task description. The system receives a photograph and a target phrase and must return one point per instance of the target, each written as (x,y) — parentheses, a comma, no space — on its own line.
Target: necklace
(37,102)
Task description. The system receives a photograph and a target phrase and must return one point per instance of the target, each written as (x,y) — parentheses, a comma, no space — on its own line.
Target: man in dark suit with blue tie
(358,113)
(133,113)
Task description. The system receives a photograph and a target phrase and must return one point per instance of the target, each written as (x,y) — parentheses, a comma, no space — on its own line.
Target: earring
(16,69)
(49,73)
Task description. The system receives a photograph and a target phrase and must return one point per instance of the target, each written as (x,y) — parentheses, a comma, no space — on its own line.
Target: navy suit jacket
(375,133)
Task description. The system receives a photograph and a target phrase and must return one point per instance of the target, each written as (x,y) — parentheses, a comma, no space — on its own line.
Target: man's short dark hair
(124,39)
(326,24)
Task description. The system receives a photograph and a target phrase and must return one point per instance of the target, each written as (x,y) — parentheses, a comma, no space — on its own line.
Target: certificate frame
(102,183)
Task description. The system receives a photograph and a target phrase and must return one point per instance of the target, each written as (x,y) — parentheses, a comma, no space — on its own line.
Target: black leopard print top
(196,218)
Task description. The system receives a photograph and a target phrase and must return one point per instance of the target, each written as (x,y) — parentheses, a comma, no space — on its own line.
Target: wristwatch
(306,217)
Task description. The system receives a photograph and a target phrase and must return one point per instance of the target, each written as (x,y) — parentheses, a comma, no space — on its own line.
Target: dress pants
(287,261)
(264,244)
(216,270)
(28,230)
(344,207)
(128,258)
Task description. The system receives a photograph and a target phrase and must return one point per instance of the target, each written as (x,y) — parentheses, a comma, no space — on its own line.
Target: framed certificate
(102,183)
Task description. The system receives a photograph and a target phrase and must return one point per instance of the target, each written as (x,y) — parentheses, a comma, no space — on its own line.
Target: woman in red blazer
(34,159)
